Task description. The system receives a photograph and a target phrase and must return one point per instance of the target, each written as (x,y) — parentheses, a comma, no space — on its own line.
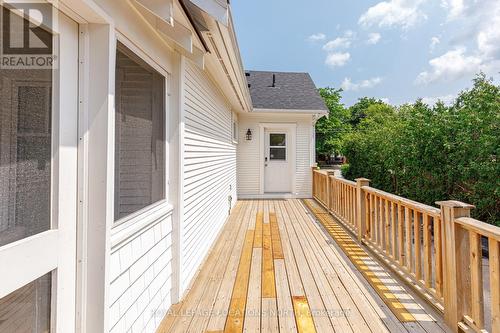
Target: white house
(277,161)
(123,149)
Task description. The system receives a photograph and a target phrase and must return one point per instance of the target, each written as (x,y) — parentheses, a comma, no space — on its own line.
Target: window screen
(139,159)
(235,131)
(25,152)
(28,308)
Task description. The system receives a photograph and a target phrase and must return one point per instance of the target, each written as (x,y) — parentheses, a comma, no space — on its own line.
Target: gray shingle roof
(291,91)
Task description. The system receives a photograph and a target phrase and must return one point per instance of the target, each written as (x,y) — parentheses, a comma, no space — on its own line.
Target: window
(140,138)
(234,120)
(27,309)
(25,153)
(277,146)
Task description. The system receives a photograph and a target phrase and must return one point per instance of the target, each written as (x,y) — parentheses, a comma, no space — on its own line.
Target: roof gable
(283,91)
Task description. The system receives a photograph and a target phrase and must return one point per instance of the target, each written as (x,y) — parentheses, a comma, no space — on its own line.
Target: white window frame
(234,128)
(279,147)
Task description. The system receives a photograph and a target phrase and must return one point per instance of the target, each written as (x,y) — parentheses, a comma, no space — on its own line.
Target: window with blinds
(140,134)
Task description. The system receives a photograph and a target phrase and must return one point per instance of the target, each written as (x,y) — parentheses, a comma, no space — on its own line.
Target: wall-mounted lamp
(249,135)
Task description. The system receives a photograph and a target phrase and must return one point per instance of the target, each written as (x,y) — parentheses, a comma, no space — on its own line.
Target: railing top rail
(323,172)
(433,211)
(343,180)
(479,227)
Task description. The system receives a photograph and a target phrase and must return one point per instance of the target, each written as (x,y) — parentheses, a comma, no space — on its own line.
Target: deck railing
(437,251)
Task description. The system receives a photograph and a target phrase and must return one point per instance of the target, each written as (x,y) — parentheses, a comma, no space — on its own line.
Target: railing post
(328,194)
(314,167)
(361,207)
(456,263)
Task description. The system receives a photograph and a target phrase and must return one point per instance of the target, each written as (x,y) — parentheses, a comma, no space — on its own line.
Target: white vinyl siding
(249,152)
(209,177)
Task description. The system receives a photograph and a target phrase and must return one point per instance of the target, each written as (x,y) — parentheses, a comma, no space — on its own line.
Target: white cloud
(374,38)
(386,100)
(316,37)
(485,56)
(488,38)
(347,84)
(343,42)
(338,59)
(391,13)
(450,66)
(349,33)
(455,8)
(337,43)
(447,99)
(434,42)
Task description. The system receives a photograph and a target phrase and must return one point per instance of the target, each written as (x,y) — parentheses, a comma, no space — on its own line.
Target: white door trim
(292,130)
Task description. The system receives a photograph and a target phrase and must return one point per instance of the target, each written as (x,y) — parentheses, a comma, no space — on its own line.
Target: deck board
(237,307)
(281,271)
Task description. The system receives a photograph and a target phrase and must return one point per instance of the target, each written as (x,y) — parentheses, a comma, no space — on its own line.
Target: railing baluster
(377,220)
(408,238)
(476,277)
(387,228)
(393,228)
(342,200)
(427,252)
(401,235)
(381,223)
(494,262)
(368,215)
(438,255)
(352,205)
(337,188)
(349,206)
(373,218)
(418,254)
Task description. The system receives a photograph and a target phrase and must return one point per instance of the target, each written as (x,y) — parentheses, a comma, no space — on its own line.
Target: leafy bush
(431,153)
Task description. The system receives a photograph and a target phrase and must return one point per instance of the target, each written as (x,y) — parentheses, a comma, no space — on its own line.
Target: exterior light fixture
(249,135)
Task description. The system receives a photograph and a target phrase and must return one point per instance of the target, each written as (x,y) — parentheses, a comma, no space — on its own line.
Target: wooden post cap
(455,204)
(362,181)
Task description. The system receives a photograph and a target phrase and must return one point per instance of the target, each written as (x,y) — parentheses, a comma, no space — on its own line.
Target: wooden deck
(275,268)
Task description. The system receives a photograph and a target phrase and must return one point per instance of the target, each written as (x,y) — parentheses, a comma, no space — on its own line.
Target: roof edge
(295,111)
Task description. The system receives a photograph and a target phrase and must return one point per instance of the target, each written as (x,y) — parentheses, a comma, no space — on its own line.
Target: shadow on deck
(276,268)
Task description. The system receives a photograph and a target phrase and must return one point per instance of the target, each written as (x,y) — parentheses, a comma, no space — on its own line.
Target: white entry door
(38,184)
(277,161)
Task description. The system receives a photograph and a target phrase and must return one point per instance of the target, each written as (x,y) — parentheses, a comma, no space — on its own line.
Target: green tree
(330,131)
(358,111)
(432,153)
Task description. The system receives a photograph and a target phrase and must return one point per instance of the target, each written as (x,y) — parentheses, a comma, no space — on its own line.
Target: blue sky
(398,50)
